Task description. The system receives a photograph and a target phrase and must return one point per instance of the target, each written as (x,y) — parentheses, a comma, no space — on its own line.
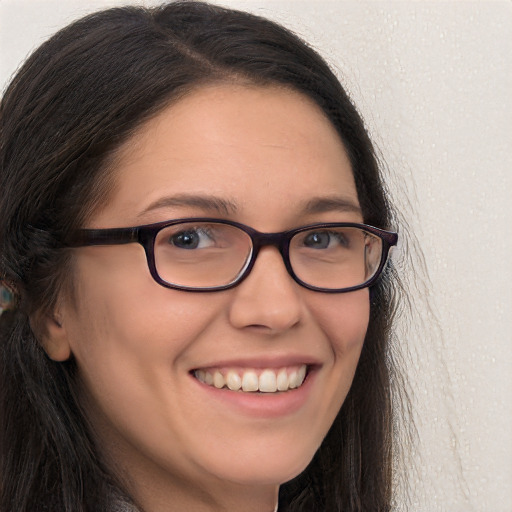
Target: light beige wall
(433,81)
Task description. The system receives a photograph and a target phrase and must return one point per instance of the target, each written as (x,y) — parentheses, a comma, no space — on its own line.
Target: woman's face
(265,157)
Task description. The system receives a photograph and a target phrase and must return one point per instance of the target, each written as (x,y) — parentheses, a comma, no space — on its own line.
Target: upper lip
(262,362)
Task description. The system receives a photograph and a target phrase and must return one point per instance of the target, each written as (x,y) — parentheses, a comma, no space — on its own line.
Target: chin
(267,470)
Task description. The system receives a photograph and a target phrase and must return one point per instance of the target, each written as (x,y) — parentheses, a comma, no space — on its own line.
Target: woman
(193,230)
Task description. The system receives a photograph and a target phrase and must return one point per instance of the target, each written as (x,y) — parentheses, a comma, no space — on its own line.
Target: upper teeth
(268,380)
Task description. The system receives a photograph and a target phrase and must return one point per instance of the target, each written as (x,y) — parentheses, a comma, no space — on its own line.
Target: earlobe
(54,338)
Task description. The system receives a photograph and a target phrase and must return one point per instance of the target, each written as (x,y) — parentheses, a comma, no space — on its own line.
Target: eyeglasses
(204,254)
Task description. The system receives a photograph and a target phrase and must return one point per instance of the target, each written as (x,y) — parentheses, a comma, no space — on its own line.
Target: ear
(54,337)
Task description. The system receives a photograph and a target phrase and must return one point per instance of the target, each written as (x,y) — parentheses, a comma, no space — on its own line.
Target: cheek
(129,346)
(119,305)
(344,320)
(127,332)
(124,329)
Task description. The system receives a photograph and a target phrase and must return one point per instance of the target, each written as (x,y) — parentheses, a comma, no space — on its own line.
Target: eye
(319,240)
(324,239)
(197,238)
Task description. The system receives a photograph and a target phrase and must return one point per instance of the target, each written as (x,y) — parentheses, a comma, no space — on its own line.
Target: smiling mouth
(265,380)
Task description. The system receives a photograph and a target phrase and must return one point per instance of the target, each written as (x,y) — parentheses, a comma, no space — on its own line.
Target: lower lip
(262,405)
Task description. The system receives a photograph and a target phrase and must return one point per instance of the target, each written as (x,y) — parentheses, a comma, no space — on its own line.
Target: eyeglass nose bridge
(281,241)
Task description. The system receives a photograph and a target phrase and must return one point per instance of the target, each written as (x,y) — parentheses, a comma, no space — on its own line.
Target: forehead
(250,147)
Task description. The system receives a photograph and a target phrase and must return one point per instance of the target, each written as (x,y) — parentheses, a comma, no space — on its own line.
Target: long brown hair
(72,104)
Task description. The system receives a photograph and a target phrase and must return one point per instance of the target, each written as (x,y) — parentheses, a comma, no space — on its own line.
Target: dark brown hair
(73,103)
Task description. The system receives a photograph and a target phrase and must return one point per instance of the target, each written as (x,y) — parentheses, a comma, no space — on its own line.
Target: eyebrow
(332,204)
(204,202)
(226,207)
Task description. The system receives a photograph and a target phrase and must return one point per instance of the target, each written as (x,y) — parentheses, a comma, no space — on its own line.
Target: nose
(268,299)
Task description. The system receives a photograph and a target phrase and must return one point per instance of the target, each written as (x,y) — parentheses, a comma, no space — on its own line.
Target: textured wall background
(433,81)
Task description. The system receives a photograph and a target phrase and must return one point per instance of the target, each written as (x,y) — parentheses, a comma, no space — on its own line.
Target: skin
(267,152)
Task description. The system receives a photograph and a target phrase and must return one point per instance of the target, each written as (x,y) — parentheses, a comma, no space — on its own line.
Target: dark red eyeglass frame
(145,235)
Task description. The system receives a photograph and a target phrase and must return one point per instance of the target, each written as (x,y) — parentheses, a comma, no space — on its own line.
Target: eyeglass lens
(208,254)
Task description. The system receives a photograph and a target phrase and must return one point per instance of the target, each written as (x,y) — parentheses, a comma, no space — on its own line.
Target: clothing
(120,502)
(122,506)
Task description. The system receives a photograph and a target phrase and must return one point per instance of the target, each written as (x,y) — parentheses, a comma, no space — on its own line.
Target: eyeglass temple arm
(114,236)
